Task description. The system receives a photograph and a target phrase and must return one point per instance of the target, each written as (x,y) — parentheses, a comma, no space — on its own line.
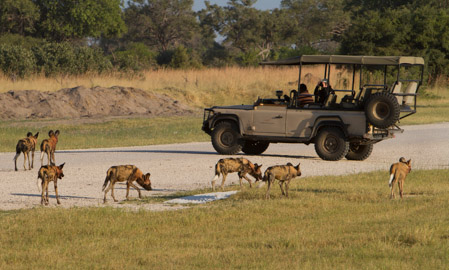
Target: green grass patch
(107,133)
(333,222)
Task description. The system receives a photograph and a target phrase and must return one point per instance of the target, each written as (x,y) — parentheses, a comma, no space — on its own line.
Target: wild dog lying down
(398,173)
(48,146)
(283,173)
(240,165)
(25,146)
(128,173)
(48,173)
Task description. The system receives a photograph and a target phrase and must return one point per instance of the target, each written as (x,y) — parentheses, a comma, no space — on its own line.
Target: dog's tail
(39,176)
(391,179)
(217,174)
(108,178)
(392,173)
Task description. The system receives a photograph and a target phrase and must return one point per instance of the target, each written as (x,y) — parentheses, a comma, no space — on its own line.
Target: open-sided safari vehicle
(362,103)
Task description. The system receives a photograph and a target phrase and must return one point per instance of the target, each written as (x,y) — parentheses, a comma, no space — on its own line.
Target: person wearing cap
(322,91)
(304,97)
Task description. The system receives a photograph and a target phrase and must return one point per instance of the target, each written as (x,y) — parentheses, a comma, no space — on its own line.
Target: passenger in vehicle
(304,97)
(322,91)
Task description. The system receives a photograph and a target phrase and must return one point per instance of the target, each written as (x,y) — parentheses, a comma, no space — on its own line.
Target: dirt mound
(82,102)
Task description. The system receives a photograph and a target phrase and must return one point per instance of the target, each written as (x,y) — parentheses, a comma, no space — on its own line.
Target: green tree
(18,16)
(70,20)
(317,22)
(163,24)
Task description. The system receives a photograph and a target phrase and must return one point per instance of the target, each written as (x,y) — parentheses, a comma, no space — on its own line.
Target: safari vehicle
(369,97)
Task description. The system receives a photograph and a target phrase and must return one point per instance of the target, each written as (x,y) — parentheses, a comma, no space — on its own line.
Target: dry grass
(198,88)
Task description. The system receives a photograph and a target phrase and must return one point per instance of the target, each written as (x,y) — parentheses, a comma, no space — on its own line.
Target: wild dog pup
(240,165)
(48,146)
(48,173)
(128,173)
(25,146)
(398,173)
(283,173)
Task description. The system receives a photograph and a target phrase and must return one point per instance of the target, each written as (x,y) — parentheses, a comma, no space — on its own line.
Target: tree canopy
(142,34)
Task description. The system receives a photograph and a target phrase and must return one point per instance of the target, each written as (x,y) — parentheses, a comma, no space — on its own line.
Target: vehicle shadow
(138,151)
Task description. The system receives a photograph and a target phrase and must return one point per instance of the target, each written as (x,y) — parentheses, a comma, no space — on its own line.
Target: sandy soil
(81,102)
(189,166)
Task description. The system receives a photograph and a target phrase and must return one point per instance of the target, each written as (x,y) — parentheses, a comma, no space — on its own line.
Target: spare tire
(382,110)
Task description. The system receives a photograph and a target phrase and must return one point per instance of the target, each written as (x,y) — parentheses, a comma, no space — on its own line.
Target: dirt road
(188,166)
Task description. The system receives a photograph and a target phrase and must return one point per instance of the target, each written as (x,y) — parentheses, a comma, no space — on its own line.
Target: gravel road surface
(189,166)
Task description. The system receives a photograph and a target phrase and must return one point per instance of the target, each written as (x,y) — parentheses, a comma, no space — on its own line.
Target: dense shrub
(16,61)
(136,57)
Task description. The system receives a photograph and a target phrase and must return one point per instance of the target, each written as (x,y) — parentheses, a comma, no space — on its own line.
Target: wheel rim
(381,110)
(227,138)
(331,144)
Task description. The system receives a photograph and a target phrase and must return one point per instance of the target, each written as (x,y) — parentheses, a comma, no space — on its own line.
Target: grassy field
(344,222)
(106,133)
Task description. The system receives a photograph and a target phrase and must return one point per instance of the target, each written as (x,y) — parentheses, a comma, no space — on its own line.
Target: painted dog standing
(25,146)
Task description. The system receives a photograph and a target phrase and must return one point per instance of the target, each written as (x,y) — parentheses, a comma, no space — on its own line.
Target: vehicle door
(299,122)
(269,120)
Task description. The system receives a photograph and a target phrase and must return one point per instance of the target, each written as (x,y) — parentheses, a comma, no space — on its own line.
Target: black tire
(382,110)
(331,144)
(226,139)
(255,147)
(359,151)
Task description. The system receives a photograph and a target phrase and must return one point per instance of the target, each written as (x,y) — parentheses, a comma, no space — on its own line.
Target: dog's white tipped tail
(391,179)
(213,181)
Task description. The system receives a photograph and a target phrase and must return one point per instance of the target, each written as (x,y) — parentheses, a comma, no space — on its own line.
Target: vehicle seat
(396,90)
(411,89)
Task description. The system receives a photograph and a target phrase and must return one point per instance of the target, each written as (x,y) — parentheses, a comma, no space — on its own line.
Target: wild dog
(283,173)
(25,146)
(398,173)
(240,165)
(48,146)
(128,173)
(48,173)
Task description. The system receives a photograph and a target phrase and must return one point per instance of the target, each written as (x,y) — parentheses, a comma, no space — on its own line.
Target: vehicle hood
(235,107)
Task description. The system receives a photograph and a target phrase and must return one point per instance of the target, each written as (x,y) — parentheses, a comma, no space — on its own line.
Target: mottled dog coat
(398,173)
(25,146)
(242,166)
(128,173)
(48,173)
(282,173)
(48,146)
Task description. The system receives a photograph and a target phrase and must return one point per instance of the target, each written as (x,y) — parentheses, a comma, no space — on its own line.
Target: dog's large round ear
(29,134)
(61,166)
(51,132)
(409,161)
(37,134)
(57,132)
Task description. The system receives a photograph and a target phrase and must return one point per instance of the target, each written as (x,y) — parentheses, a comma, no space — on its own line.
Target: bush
(16,61)
(136,57)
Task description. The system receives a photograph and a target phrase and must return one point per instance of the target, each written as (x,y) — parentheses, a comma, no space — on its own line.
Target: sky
(260,4)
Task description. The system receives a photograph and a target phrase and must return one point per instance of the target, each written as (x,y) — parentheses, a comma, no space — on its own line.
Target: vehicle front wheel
(226,139)
(359,151)
(255,147)
(331,144)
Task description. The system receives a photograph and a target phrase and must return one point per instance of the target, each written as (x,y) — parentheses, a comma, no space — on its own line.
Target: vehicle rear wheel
(255,147)
(359,151)
(226,139)
(331,144)
(382,110)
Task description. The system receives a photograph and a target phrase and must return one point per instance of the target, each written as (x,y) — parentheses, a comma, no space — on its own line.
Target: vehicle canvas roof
(348,59)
